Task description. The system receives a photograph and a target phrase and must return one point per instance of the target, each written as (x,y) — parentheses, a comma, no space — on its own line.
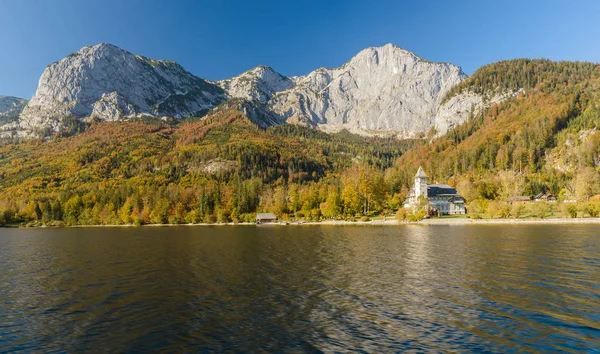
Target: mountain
(531,127)
(10,107)
(259,84)
(542,136)
(110,83)
(381,90)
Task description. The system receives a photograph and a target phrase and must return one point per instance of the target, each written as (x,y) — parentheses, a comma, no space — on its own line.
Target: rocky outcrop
(457,109)
(259,84)
(10,107)
(381,90)
(111,83)
(256,111)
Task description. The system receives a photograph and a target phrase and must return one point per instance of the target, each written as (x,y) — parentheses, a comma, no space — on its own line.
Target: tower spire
(421,183)
(421,173)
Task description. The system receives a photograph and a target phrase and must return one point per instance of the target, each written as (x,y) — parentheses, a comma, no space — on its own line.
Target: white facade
(438,198)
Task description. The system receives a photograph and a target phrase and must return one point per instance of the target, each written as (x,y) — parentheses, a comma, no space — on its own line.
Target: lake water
(529,288)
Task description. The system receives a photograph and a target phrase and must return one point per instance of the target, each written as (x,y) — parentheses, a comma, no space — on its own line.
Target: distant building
(522,199)
(437,197)
(545,197)
(265,218)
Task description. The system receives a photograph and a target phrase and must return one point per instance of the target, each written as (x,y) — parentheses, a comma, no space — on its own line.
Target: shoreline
(424,222)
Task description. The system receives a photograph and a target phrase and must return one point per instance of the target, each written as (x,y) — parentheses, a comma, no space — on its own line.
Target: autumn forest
(225,168)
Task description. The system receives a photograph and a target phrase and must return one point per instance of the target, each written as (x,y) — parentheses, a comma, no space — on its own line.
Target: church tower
(420,184)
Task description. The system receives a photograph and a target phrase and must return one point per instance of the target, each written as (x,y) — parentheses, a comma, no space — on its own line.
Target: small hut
(522,199)
(265,218)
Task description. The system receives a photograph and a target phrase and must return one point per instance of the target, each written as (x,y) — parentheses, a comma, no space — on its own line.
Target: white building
(436,197)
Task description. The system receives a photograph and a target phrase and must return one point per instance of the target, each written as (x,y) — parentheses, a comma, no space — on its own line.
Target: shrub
(497,209)
(401,214)
(417,215)
(209,219)
(517,210)
(477,208)
(569,210)
(541,210)
(592,209)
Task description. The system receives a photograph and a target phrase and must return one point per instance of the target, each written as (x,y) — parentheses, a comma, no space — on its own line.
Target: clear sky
(222,38)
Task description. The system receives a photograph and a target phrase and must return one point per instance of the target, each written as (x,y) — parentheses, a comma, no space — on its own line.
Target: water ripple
(527,288)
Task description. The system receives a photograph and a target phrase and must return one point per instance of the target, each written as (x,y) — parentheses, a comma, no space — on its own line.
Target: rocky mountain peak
(111,83)
(259,83)
(380,90)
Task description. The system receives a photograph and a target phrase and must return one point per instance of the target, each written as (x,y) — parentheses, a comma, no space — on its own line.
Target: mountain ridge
(379,91)
(542,138)
(110,83)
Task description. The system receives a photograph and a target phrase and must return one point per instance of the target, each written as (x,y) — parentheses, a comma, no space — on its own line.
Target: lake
(484,288)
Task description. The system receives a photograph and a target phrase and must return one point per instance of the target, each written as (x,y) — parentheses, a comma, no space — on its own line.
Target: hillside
(233,162)
(544,139)
(221,168)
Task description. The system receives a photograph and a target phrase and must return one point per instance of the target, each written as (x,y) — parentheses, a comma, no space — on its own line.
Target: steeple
(421,183)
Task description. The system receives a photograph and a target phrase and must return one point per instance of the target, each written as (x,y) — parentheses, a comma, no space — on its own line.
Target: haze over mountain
(380,91)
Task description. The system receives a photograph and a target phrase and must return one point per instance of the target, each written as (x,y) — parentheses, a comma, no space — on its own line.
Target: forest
(225,168)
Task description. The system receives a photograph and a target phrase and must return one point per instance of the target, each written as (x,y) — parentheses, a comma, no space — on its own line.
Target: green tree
(125,213)
(332,207)
(72,210)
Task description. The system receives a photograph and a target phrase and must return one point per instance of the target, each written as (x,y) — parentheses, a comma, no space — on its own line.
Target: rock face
(259,84)
(110,83)
(256,111)
(459,108)
(10,107)
(380,90)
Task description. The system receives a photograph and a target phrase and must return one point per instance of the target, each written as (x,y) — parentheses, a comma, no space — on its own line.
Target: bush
(569,210)
(417,215)
(365,219)
(478,208)
(315,214)
(209,219)
(223,216)
(541,210)
(592,209)
(401,214)
(497,209)
(517,210)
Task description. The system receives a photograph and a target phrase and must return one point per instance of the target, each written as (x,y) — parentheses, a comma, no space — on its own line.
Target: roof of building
(544,196)
(266,216)
(435,185)
(538,196)
(520,198)
(420,173)
(434,190)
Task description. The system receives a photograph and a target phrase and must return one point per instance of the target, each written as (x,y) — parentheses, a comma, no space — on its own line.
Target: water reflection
(440,288)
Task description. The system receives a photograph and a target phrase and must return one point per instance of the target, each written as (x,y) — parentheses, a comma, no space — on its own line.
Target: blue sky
(220,38)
